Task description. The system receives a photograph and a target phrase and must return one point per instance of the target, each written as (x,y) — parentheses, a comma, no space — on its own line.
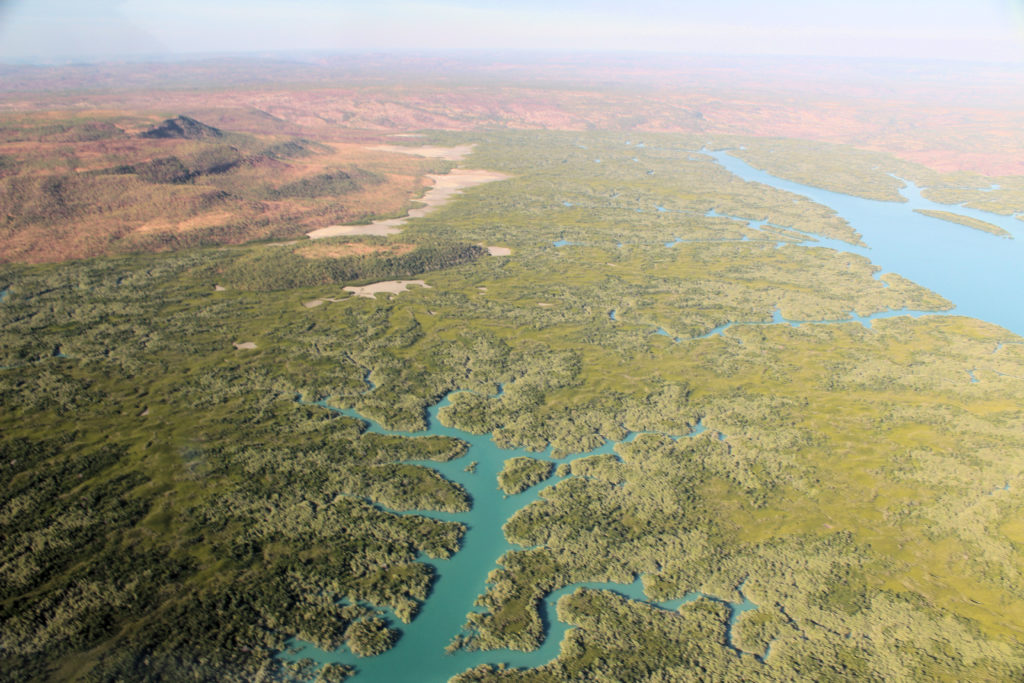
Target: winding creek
(975,270)
(419,656)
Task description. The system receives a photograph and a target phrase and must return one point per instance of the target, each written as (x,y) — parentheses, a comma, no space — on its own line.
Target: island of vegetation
(370,637)
(960,219)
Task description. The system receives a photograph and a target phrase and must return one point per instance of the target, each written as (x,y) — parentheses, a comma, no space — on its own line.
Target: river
(980,273)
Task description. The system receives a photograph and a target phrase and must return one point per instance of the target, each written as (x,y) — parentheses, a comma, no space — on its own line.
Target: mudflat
(444,188)
(386,287)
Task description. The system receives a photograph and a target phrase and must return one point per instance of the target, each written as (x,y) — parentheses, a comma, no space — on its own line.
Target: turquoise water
(420,654)
(982,274)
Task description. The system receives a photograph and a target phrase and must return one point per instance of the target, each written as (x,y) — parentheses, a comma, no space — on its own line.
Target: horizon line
(299,56)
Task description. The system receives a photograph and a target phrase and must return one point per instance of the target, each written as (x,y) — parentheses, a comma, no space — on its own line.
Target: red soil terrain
(950,118)
(74,186)
(80,176)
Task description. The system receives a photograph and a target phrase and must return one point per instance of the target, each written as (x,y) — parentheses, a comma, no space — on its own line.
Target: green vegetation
(1000,194)
(167,496)
(839,168)
(965,220)
(370,637)
(174,512)
(627,641)
(605,197)
(276,269)
(333,673)
(520,473)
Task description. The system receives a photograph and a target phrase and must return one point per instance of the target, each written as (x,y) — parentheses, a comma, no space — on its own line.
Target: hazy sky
(951,29)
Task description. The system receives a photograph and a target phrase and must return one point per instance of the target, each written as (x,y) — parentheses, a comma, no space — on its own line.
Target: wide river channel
(979,272)
(982,274)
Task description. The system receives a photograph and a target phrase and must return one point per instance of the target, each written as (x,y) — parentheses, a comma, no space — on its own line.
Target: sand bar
(388,287)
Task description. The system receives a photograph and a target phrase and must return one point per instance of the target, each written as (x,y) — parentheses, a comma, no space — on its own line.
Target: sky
(59,30)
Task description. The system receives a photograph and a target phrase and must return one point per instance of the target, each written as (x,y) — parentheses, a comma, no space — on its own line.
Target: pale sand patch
(445,187)
(499,251)
(456,153)
(388,287)
(545,305)
(218,288)
(379,228)
(245,345)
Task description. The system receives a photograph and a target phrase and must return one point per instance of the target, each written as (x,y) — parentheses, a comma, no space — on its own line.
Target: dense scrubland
(177,509)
